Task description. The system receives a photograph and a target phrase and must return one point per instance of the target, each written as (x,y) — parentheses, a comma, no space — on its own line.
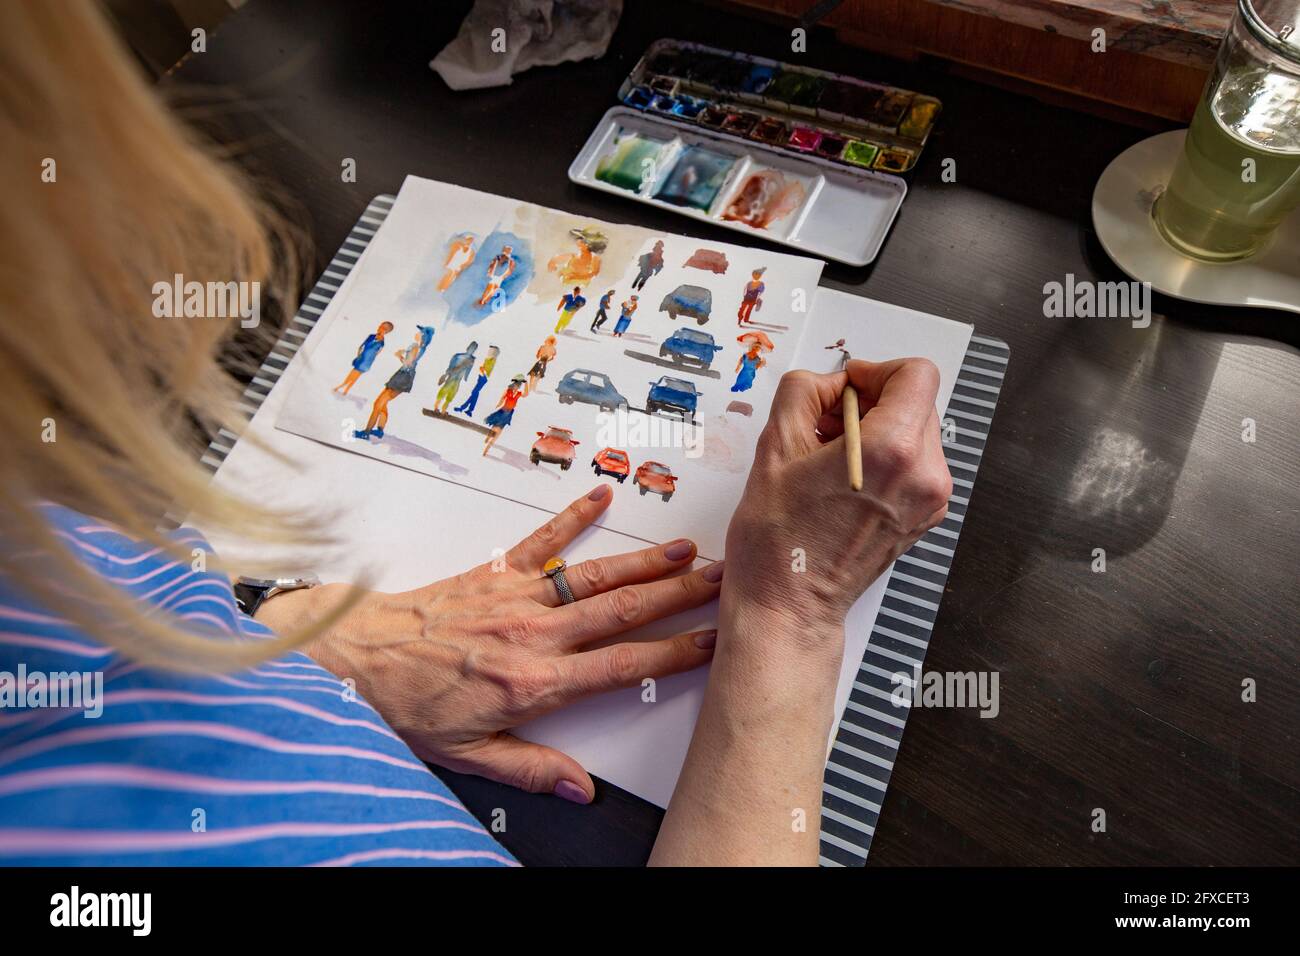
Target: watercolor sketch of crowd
(527,353)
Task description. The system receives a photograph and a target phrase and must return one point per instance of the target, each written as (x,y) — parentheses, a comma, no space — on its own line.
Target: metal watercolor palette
(808,202)
(795,108)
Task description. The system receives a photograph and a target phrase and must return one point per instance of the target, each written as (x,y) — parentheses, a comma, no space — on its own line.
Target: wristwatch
(251,592)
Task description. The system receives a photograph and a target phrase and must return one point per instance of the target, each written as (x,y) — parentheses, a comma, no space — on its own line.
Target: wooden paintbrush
(852,423)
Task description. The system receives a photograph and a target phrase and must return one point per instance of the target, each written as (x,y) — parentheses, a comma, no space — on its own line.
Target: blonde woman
(300,733)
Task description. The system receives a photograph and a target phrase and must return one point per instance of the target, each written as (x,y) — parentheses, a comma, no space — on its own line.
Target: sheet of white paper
(430,267)
(440,528)
(876,331)
(641,746)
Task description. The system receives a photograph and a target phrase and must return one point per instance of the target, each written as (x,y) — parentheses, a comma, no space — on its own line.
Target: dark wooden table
(1119,690)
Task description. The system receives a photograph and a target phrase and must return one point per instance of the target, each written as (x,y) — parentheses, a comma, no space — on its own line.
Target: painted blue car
(692,300)
(688,345)
(672,395)
(591,388)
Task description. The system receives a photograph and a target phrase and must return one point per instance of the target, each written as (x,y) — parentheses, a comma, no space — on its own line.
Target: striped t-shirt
(281,764)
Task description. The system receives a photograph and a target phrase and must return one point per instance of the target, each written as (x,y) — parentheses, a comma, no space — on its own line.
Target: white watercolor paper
(641,747)
(401,531)
(476,271)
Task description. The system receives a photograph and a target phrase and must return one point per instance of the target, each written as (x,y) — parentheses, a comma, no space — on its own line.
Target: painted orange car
(655,478)
(612,461)
(554,445)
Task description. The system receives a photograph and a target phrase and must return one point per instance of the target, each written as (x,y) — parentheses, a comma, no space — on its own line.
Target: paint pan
(860,153)
(631,160)
(785,105)
(767,199)
(696,178)
(811,202)
(920,117)
(770,130)
(807,140)
(740,123)
(831,146)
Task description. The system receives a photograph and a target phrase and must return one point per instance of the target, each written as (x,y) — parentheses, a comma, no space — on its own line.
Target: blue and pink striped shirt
(281,764)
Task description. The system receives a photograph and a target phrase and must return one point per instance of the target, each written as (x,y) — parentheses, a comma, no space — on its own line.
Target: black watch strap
(251,593)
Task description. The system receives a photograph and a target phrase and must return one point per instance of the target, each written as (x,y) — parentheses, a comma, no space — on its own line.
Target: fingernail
(706,639)
(678,550)
(599,493)
(713,573)
(572,792)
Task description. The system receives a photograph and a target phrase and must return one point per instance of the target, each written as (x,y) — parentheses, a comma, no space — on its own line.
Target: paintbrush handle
(852,436)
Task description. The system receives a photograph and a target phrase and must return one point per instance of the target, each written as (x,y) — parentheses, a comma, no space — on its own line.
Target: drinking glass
(1239,173)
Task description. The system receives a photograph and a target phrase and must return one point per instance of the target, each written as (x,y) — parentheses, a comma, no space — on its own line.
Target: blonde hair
(108,195)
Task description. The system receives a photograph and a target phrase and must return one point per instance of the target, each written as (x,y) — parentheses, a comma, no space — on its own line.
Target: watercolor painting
(689,300)
(583,263)
(611,462)
(495,344)
(593,388)
(654,477)
(367,352)
(460,253)
(690,345)
(752,298)
(571,304)
(458,370)
(555,445)
(649,265)
(711,260)
(625,313)
(491,280)
(602,311)
(485,370)
(751,360)
(399,383)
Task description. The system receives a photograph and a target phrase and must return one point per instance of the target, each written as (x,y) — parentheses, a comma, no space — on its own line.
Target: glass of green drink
(1239,174)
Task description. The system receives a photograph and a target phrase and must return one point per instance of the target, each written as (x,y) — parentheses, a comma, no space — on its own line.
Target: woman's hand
(454,665)
(802,543)
(801,548)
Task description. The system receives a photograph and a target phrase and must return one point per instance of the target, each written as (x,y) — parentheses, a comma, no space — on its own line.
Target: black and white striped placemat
(295,333)
(862,757)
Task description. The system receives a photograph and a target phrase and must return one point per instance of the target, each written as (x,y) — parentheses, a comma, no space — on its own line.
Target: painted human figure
(365,357)
(753,297)
(583,265)
(499,270)
(504,412)
(601,310)
(484,372)
(459,255)
(399,383)
(747,367)
(625,317)
(649,264)
(545,352)
(569,306)
(458,369)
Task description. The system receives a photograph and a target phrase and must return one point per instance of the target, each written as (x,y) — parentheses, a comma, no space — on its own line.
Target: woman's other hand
(454,665)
